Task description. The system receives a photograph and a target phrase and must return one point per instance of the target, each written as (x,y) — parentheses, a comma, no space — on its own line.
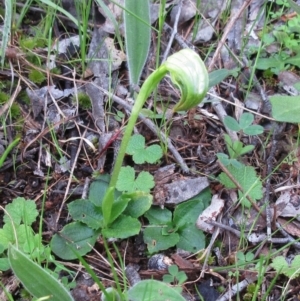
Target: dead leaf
(210,213)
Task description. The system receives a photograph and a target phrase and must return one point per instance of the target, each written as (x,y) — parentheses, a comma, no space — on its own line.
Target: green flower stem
(149,85)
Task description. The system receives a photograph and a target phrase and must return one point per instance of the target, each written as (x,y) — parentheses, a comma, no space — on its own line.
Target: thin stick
(174,32)
(226,32)
(8,104)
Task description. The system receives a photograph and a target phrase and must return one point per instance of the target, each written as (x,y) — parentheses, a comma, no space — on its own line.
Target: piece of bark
(179,191)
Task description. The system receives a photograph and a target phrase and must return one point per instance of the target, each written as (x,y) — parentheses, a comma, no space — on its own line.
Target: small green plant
(244,259)
(286,36)
(175,277)
(107,211)
(134,202)
(88,223)
(244,126)
(18,240)
(14,109)
(4,97)
(248,296)
(244,175)
(289,269)
(36,76)
(119,116)
(19,215)
(167,230)
(234,274)
(84,100)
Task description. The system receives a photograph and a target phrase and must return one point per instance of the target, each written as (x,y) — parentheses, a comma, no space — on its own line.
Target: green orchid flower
(189,74)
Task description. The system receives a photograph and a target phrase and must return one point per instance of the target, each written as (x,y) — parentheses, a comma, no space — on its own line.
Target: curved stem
(148,86)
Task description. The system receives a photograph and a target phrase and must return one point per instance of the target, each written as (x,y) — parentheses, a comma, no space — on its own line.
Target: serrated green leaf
(233,148)
(74,235)
(144,181)
(140,202)
(168,278)
(280,265)
(191,239)
(173,270)
(6,236)
(253,130)
(158,216)
(182,277)
(231,123)
(126,179)
(187,212)
(237,147)
(247,179)
(246,120)
(34,246)
(17,234)
(249,256)
(21,210)
(140,153)
(153,153)
(246,149)
(267,63)
(36,280)
(223,158)
(286,108)
(156,241)
(236,163)
(86,212)
(127,182)
(153,290)
(123,227)
(136,143)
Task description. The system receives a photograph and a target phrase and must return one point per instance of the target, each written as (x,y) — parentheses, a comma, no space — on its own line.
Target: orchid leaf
(137,36)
